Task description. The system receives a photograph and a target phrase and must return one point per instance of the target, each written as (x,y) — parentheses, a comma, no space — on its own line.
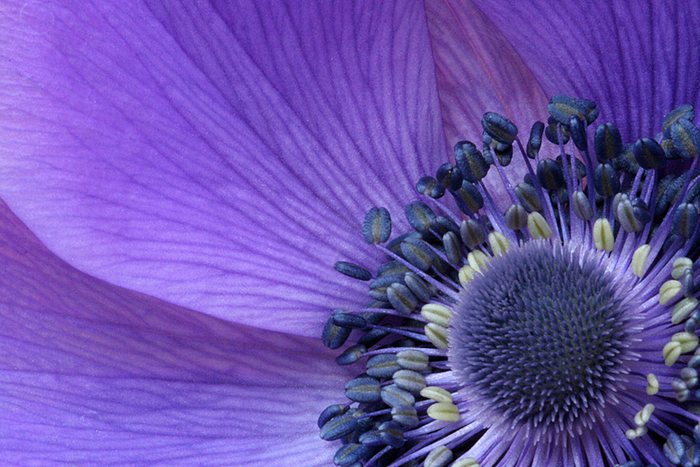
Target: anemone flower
(181,177)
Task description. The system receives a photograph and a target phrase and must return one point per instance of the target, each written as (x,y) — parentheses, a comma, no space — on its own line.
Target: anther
(680,265)
(562,108)
(499,128)
(470,162)
(413,360)
(401,298)
(466,274)
(466,462)
(516,217)
(504,153)
(499,243)
(405,415)
(603,235)
(353,270)
(582,207)
(683,309)
(685,111)
(652,384)
(537,226)
(578,133)
(688,341)
(690,377)
(334,336)
(382,365)
(606,180)
(468,198)
(550,175)
(625,215)
(437,313)
(449,176)
(436,393)
(392,434)
(409,380)
(363,389)
(394,396)
(639,260)
(453,248)
(418,253)
(534,142)
(444,411)
(338,426)
(685,219)
(642,417)
(350,454)
(686,138)
(438,457)
(635,433)
(607,142)
(419,215)
(668,291)
(429,186)
(418,286)
(348,320)
(478,260)
(674,448)
(351,355)
(329,412)
(648,153)
(671,352)
(376,227)
(437,335)
(472,233)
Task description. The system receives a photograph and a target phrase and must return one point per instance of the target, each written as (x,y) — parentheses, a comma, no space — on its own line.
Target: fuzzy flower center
(539,334)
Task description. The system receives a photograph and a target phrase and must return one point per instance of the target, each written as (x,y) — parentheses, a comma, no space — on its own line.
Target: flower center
(539,334)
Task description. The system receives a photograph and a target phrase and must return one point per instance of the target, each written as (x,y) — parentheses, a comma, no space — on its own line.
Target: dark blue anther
(418,253)
(349,320)
(578,133)
(626,161)
(383,365)
(685,111)
(401,298)
(418,286)
(606,180)
(686,138)
(363,389)
(394,245)
(429,186)
(579,166)
(353,270)
(377,226)
(351,355)
(470,162)
(391,268)
(339,426)
(504,154)
(442,225)
(562,108)
(393,396)
(472,233)
(453,248)
(608,142)
(527,195)
(350,454)
(405,415)
(334,336)
(448,177)
(550,174)
(582,206)
(685,219)
(641,211)
(419,215)
(674,448)
(692,456)
(392,434)
(648,153)
(550,132)
(371,438)
(499,128)
(534,142)
(468,198)
(516,217)
(372,336)
(330,412)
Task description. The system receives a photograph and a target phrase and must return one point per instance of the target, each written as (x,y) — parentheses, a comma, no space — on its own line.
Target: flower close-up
(352,233)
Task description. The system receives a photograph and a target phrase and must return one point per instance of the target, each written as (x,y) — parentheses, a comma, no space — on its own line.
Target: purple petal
(218,156)
(91,374)
(638,60)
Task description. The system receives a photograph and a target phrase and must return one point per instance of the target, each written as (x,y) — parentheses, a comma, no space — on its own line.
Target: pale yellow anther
(652,384)
(444,411)
(466,462)
(683,309)
(642,417)
(466,274)
(437,335)
(499,243)
(603,235)
(671,352)
(680,265)
(436,393)
(437,313)
(668,291)
(636,432)
(478,260)
(639,260)
(537,226)
(687,340)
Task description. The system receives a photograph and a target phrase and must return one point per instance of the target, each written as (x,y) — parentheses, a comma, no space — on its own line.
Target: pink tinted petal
(478,70)
(220,156)
(91,373)
(638,60)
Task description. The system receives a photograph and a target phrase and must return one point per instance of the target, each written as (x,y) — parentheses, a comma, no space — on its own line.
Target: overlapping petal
(92,373)
(638,60)
(219,155)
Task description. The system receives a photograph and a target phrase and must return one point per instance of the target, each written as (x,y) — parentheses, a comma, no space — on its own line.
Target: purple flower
(180,178)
